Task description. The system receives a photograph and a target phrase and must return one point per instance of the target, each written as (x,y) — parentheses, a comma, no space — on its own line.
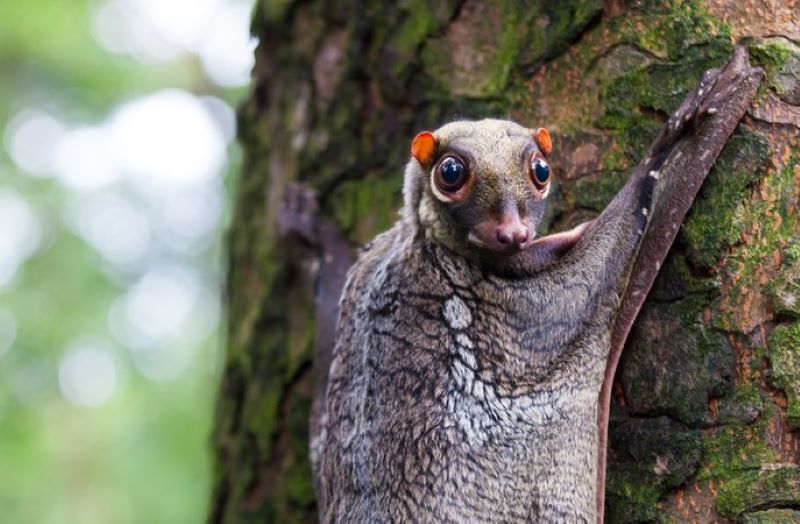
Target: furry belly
(476,466)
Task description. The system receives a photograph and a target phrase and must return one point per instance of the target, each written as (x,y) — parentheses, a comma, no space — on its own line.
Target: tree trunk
(707,396)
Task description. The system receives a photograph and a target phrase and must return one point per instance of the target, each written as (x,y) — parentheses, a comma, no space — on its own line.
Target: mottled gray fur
(464,385)
(460,391)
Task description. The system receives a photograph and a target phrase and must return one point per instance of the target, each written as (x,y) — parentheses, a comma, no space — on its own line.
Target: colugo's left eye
(540,172)
(451,174)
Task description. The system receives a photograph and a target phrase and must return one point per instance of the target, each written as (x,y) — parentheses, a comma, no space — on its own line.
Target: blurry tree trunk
(706,399)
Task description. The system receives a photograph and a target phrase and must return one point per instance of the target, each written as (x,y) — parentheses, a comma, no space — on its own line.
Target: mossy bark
(707,395)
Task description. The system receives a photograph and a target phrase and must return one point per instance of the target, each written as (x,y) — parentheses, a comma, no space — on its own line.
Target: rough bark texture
(707,398)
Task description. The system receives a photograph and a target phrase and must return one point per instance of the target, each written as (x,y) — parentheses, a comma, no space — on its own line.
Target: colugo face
(487,182)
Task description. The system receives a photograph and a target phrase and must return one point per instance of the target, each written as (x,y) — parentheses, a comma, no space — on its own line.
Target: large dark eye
(540,172)
(450,174)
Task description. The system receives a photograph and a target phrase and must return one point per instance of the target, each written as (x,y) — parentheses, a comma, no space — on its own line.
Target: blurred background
(118,156)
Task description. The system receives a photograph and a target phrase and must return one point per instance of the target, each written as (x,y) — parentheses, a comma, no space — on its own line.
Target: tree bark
(707,397)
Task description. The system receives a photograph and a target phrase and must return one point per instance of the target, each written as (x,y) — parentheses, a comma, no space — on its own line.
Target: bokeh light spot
(167,138)
(114,226)
(227,51)
(20,233)
(84,160)
(87,376)
(30,139)
(217,31)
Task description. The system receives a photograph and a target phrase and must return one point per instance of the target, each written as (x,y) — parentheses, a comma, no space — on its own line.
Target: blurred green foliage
(143,456)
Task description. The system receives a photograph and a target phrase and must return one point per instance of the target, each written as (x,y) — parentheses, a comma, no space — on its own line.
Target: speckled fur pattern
(466,386)
(463,391)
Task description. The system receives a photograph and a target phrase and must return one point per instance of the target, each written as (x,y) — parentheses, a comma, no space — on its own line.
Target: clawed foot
(298,214)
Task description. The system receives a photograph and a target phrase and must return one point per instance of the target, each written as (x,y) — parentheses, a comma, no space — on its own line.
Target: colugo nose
(511,233)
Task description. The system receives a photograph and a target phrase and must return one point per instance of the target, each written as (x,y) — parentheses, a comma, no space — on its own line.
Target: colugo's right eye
(451,174)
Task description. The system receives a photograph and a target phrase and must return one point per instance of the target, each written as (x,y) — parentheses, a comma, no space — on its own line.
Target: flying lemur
(469,378)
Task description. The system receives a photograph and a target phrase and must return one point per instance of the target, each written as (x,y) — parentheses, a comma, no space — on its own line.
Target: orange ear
(423,147)
(543,140)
